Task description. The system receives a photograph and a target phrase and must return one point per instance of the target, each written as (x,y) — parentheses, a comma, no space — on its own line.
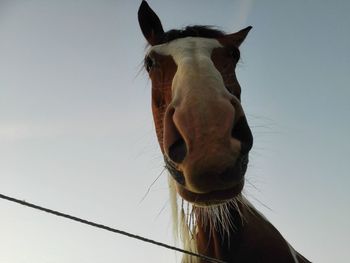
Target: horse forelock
(192,31)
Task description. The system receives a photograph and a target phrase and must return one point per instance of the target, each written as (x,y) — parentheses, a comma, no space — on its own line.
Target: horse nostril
(177,151)
(242,132)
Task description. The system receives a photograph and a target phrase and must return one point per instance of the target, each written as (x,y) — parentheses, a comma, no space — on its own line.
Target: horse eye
(149,63)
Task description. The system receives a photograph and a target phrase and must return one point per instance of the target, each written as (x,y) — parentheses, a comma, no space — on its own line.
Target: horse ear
(235,39)
(150,24)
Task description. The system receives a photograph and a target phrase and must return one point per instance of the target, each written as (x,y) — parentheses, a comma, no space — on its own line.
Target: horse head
(200,123)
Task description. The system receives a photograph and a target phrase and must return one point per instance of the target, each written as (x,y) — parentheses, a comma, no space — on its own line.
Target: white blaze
(196,73)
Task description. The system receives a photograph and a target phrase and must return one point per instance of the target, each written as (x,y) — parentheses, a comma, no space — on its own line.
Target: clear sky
(76,131)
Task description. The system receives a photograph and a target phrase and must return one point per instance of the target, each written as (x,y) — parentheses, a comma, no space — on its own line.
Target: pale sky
(76,131)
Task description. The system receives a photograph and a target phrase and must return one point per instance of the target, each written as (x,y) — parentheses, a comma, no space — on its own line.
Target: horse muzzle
(207,154)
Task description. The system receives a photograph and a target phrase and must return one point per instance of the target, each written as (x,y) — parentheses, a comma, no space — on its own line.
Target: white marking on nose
(196,78)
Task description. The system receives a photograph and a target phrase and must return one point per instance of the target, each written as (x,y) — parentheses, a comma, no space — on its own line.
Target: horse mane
(192,31)
(185,225)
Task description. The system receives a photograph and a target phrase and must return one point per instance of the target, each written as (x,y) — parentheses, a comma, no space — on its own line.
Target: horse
(205,140)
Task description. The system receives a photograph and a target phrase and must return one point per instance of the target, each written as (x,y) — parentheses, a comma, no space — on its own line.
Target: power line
(90,223)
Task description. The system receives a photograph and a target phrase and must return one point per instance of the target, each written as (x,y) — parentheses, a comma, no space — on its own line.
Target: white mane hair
(185,225)
(218,216)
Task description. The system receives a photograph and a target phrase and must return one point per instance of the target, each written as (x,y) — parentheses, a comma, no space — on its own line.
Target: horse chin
(213,198)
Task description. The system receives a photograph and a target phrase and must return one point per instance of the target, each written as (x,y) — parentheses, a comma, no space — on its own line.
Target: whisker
(149,188)
(261,203)
(163,208)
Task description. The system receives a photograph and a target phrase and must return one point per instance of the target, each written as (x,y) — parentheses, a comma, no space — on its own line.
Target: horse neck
(253,239)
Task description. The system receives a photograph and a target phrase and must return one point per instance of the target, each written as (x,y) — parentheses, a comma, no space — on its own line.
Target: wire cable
(121,232)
